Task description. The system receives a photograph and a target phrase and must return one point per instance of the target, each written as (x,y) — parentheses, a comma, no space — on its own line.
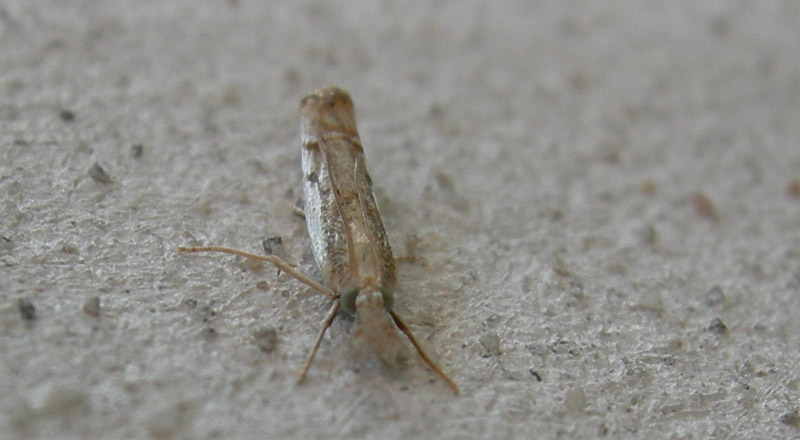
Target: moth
(349,242)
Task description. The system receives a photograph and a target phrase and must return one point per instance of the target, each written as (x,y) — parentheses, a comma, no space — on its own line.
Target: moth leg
(411,254)
(400,259)
(282,265)
(310,357)
(425,358)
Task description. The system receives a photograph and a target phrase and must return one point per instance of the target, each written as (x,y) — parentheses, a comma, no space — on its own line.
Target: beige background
(600,194)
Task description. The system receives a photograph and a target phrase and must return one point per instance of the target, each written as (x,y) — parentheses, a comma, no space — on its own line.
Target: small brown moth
(347,234)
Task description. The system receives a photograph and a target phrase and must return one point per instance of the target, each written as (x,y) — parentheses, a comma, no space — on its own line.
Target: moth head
(328,109)
(349,298)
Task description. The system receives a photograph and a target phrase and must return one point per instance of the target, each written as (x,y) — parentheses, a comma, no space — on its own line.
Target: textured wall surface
(604,199)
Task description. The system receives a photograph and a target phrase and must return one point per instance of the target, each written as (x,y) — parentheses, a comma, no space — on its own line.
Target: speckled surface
(603,199)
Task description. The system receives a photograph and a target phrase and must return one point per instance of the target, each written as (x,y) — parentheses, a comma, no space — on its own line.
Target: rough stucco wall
(602,196)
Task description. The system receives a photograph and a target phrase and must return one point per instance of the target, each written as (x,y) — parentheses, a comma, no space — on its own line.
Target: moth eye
(347,300)
(312,177)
